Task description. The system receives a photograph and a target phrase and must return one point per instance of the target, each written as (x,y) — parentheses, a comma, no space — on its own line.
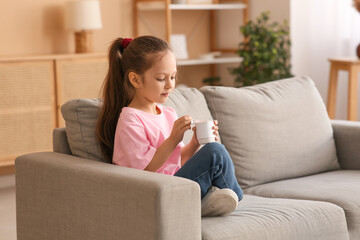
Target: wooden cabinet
(168,8)
(26,108)
(32,92)
(78,78)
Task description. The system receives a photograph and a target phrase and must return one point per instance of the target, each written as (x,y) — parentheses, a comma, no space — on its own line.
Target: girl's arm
(167,147)
(161,155)
(189,150)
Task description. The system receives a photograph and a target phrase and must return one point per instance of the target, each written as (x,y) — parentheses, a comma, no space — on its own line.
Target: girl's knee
(218,150)
(215,147)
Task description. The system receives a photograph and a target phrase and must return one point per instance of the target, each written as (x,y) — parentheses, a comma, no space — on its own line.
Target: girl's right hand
(181,125)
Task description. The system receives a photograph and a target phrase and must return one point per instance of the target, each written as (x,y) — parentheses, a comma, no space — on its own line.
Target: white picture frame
(179,46)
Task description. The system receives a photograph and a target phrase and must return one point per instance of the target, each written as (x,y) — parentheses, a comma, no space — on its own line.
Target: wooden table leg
(352,93)
(332,91)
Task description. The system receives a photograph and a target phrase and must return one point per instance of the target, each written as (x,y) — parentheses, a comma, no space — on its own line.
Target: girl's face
(159,81)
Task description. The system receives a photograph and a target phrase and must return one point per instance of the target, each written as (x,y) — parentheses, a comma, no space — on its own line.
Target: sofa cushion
(273,131)
(338,187)
(81,116)
(280,219)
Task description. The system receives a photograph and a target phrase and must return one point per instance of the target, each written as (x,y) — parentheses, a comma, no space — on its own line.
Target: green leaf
(266,52)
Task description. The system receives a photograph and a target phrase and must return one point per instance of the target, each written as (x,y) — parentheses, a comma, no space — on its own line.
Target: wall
(36,27)
(321,30)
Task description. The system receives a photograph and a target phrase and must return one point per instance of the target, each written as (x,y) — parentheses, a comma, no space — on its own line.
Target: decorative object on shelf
(265,52)
(179,46)
(356,4)
(210,55)
(212,81)
(83,16)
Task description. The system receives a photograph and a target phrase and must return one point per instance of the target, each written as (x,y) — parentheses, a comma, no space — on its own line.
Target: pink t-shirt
(138,135)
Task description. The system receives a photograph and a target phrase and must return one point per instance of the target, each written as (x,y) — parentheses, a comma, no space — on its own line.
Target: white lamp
(83,16)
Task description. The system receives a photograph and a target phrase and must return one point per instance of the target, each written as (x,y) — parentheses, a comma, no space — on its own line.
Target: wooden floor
(7,207)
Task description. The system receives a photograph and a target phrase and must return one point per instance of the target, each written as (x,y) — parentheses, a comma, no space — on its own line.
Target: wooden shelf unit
(168,7)
(160,5)
(220,60)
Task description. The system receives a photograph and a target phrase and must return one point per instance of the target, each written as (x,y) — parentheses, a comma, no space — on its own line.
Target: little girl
(135,131)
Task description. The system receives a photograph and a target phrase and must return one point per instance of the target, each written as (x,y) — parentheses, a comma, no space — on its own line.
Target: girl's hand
(216,130)
(194,139)
(181,125)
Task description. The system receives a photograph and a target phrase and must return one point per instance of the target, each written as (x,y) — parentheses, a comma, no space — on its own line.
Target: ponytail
(125,56)
(114,98)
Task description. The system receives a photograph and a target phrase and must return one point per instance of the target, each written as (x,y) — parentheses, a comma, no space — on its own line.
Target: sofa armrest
(347,141)
(59,196)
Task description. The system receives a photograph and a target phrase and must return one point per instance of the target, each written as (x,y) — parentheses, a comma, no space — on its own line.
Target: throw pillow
(274,131)
(80,117)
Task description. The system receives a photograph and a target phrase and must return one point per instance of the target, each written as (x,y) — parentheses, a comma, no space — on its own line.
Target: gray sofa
(299,171)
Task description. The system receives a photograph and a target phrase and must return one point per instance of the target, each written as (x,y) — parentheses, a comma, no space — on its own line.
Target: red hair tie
(125,42)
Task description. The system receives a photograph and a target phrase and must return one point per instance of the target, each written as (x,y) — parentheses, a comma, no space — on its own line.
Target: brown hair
(117,92)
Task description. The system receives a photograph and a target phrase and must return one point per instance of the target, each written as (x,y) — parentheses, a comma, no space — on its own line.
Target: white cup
(204,131)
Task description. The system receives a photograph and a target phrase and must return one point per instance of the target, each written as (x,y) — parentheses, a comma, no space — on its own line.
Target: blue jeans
(211,166)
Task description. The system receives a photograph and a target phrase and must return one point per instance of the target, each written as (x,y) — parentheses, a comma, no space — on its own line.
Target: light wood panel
(79,78)
(33,88)
(27,112)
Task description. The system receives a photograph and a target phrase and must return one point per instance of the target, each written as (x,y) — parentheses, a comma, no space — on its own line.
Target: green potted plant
(265,52)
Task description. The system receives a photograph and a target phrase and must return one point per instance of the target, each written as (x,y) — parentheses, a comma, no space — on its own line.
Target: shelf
(160,5)
(207,6)
(51,57)
(189,62)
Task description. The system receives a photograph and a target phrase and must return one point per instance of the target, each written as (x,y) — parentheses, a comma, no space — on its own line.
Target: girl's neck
(149,108)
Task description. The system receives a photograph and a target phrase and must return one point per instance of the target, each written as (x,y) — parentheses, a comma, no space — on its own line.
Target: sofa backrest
(81,116)
(274,131)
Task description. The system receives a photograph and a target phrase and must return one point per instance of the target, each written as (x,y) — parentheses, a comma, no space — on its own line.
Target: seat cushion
(280,219)
(338,187)
(81,116)
(273,131)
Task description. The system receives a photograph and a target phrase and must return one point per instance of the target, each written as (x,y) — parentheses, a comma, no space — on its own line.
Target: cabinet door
(79,78)
(27,108)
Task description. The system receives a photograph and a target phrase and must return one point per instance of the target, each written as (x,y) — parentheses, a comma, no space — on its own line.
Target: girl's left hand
(216,130)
